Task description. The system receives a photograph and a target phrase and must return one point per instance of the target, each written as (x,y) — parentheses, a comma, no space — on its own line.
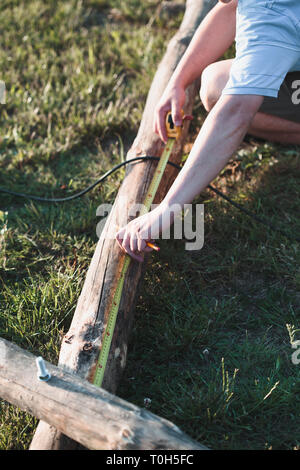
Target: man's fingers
(161,125)
(141,244)
(128,244)
(176,114)
(120,236)
(133,243)
(133,255)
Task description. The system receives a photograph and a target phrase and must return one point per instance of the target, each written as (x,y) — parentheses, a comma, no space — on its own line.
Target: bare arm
(219,137)
(222,132)
(214,36)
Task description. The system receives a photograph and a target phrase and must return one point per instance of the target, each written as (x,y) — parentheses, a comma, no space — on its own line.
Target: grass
(216,355)
(211,345)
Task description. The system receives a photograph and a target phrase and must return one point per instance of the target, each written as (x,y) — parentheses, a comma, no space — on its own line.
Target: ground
(211,345)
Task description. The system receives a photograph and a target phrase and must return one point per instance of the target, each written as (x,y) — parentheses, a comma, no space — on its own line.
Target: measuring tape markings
(112,317)
(173,134)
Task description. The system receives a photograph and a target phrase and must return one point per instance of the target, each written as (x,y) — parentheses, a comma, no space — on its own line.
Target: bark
(88,414)
(81,345)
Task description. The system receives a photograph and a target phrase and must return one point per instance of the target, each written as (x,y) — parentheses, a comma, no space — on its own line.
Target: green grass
(211,347)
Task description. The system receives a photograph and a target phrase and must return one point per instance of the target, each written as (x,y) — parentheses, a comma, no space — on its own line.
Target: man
(254,93)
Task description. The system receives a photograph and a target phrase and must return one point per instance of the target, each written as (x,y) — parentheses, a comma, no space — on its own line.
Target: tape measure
(173,133)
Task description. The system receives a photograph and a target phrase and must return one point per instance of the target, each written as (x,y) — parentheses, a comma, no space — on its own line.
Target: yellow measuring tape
(173,133)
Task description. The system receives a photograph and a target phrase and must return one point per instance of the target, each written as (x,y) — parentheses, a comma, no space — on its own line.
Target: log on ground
(87,414)
(81,345)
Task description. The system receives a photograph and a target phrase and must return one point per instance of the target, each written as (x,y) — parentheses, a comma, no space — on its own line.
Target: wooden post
(81,345)
(88,414)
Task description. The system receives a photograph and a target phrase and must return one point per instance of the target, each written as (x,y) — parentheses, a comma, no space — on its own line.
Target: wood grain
(81,345)
(89,415)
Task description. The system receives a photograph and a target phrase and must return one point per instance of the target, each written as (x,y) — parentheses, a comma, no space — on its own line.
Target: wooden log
(88,414)
(81,345)
(172,8)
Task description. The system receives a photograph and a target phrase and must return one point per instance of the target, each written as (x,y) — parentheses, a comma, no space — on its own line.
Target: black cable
(89,188)
(139,160)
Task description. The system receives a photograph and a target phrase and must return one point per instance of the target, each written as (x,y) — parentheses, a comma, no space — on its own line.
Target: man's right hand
(172,99)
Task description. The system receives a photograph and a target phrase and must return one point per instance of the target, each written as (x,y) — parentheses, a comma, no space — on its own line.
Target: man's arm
(213,37)
(222,132)
(220,135)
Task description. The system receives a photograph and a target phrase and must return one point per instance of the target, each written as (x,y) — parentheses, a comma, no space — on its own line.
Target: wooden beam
(88,414)
(81,345)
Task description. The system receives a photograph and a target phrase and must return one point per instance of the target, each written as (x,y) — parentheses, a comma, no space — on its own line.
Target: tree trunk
(81,345)
(88,414)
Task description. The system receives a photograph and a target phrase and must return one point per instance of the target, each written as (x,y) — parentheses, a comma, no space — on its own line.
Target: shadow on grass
(201,315)
(210,347)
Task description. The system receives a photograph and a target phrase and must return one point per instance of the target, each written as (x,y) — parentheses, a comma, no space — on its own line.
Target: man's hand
(173,99)
(133,238)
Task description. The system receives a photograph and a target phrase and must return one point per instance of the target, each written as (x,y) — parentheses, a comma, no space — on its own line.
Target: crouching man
(256,93)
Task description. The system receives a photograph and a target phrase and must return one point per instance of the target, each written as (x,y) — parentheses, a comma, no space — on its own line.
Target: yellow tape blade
(113,313)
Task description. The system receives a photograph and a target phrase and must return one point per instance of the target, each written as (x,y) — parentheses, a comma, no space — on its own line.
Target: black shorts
(287,105)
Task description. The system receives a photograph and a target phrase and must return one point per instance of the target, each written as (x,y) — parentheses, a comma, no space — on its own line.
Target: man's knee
(207,91)
(213,80)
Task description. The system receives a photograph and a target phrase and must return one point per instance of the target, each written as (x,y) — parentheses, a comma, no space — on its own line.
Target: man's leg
(275,129)
(265,126)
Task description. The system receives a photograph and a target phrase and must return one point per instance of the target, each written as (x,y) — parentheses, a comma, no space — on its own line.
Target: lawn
(213,333)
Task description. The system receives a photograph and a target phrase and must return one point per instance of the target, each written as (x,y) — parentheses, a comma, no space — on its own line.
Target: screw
(147,402)
(43,375)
